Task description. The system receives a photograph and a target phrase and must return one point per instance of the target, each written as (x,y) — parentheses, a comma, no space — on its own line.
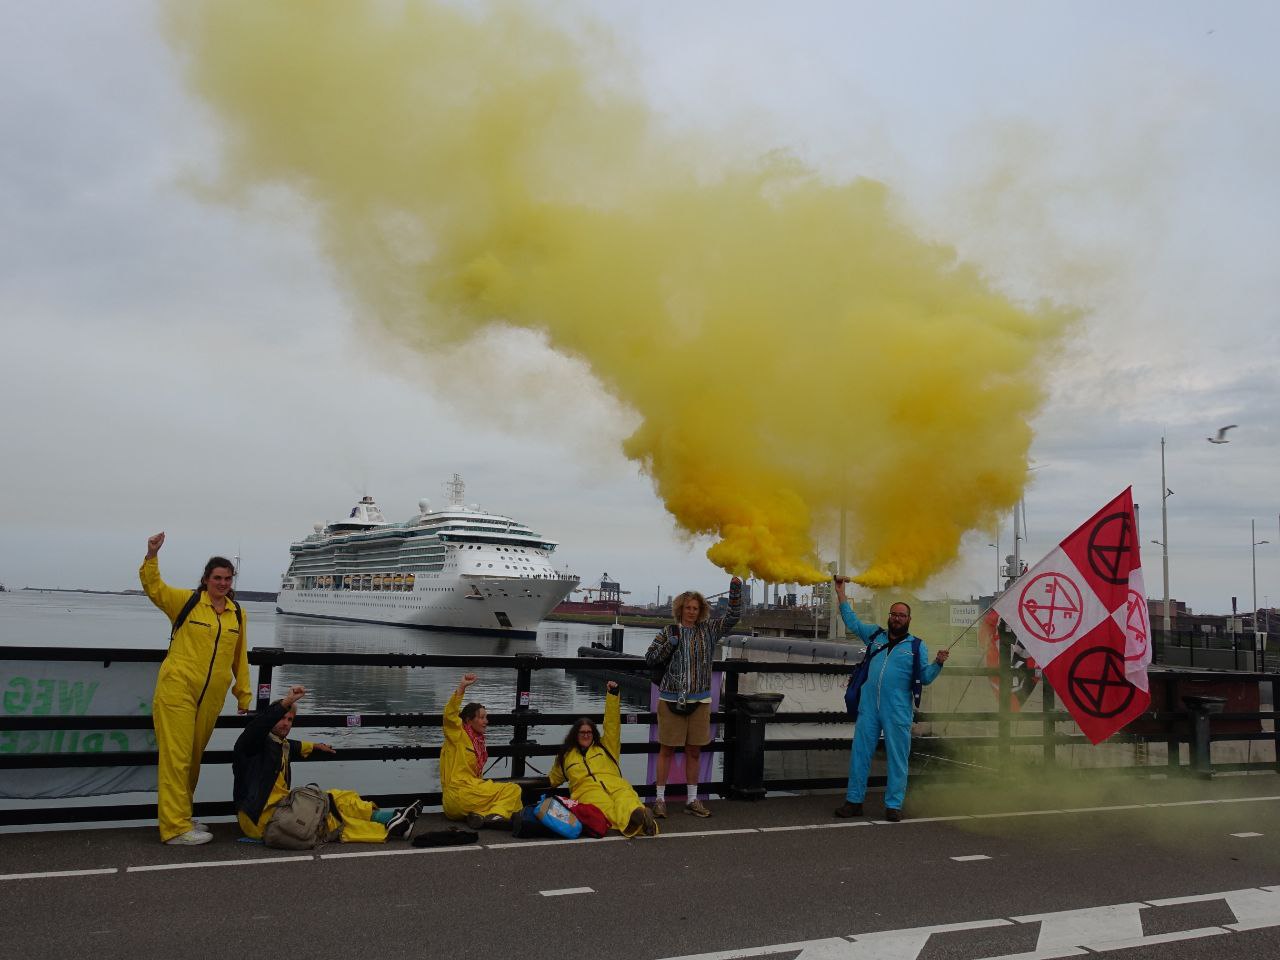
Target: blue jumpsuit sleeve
(852,623)
(931,667)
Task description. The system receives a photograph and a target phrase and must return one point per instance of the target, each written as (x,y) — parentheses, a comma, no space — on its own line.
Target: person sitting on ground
(590,763)
(467,795)
(261,760)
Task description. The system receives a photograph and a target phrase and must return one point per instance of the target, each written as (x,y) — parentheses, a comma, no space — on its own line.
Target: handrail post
(729,734)
(520,736)
(1048,706)
(264,685)
(1173,742)
(1005,698)
(1275,722)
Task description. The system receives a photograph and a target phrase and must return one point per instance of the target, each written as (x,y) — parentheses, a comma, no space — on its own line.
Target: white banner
(49,688)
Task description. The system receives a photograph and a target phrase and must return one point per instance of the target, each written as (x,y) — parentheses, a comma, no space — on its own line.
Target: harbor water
(68,619)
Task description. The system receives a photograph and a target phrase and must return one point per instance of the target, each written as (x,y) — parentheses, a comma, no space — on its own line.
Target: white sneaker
(191,838)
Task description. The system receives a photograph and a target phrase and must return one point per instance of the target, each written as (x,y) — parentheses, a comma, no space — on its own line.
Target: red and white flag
(1081,612)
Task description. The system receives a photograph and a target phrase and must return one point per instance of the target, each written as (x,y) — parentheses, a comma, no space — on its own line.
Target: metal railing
(1166,722)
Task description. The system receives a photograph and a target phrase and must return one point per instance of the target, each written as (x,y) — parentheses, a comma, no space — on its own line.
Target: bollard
(615,637)
(1202,708)
(750,710)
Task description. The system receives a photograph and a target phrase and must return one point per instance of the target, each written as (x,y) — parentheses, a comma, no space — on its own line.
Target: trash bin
(746,770)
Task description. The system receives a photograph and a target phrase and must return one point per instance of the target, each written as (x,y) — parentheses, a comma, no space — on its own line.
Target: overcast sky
(171,363)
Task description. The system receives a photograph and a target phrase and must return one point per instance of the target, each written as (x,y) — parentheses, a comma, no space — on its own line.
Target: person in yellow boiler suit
(206,647)
(590,763)
(261,762)
(467,795)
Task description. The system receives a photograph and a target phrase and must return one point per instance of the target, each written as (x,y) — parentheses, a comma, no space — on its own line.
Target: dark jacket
(255,761)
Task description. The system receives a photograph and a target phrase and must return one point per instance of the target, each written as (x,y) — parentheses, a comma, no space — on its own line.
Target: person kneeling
(590,763)
(467,795)
(261,760)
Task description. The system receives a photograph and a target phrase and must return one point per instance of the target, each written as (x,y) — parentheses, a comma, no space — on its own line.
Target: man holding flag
(899,668)
(1081,614)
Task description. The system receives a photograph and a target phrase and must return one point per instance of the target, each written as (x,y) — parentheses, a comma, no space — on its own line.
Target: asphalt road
(1169,869)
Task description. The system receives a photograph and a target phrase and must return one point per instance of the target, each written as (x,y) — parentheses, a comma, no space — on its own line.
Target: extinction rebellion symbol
(1097,683)
(1137,626)
(1110,546)
(1050,607)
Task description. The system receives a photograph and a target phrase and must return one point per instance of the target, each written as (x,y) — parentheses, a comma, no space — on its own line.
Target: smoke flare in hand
(789,345)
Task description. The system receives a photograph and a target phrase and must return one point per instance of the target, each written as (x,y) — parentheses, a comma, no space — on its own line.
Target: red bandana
(482,752)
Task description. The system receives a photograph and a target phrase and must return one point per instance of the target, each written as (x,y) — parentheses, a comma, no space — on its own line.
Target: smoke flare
(791,347)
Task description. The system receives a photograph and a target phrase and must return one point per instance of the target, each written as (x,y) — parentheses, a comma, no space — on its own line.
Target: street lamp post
(1253,537)
(1165,493)
(996,545)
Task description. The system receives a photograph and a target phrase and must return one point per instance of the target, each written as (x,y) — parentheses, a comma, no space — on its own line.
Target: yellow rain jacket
(460,782)
(190,690)
(595,777)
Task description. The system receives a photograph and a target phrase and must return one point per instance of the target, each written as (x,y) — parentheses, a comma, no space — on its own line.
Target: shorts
(692,730)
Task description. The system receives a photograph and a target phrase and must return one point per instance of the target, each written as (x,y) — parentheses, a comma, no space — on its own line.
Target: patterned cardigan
(689,668)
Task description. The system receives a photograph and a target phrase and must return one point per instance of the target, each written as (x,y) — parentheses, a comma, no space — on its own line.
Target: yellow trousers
(358,825)
(182,732)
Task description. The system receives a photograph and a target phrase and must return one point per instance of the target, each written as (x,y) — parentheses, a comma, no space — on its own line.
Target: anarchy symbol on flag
(1050,607)
(1097,683)
(1110,545)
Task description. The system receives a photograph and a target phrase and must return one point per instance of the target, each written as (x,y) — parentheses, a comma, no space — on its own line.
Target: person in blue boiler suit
(899,668)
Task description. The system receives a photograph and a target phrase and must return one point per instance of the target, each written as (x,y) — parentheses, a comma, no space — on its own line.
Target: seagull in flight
(1222,434)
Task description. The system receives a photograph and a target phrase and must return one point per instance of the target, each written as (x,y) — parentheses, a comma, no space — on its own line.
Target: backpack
(658,671)
(862,671)
(559,819)
(525,825)
(301,820)
(594,822)
(190,605)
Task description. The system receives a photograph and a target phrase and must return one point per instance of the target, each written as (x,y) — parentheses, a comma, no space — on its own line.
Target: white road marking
(217,863)
(516,845)
(706,833)
(1123,806)
(59,873)
(535,844)
(971,858)
(816,826)
(1246,834)
(567,891)
(959,816)
(1067,933)
(398,852)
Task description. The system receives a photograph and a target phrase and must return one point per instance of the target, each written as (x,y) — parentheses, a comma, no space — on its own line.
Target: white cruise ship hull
(511,606)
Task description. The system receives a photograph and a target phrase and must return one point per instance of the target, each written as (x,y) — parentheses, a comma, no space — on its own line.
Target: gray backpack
(300,820)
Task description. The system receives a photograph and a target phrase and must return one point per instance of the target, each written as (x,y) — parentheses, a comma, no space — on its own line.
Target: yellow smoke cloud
(790,346)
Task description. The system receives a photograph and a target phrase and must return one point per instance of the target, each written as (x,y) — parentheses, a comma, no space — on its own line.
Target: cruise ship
(458,569)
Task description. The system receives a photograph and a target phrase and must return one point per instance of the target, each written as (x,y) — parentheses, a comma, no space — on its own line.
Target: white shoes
(191,838)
